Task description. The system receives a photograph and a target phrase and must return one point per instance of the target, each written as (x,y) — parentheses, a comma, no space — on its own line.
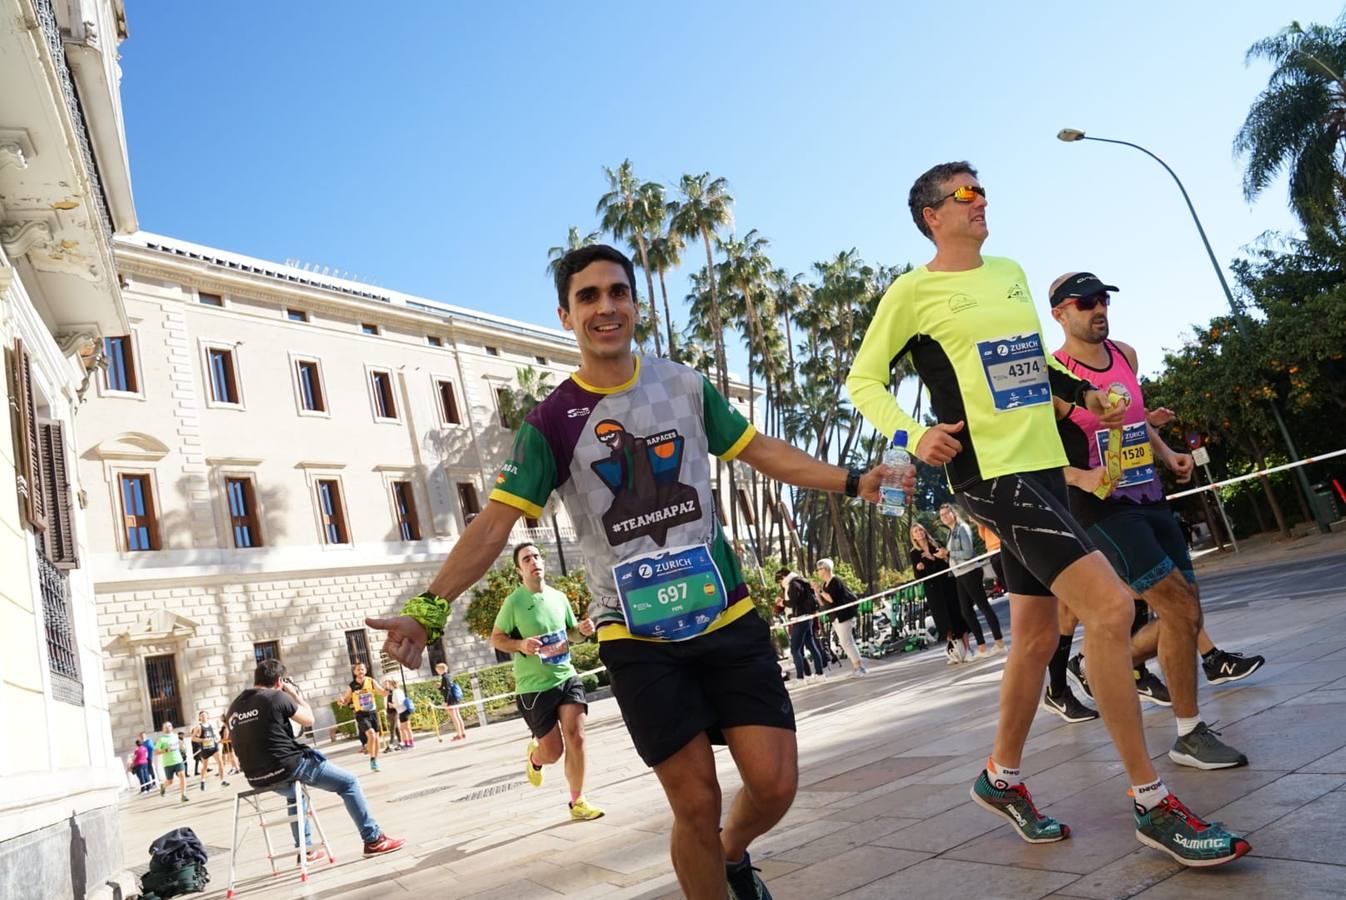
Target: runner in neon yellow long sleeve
(976,341)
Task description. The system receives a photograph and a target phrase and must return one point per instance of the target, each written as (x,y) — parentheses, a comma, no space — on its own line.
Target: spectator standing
(799,600)
(834,593)
(941,594)
(453,695)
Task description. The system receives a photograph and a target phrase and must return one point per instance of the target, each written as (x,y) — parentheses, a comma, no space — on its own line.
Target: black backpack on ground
(177,866)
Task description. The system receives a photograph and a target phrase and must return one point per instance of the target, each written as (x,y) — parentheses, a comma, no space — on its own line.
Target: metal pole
(560,553)
(1239,323)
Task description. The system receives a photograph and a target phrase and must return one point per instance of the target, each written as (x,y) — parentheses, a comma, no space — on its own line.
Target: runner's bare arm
(1087,480)
(476,550)
(506,644)
(776,459)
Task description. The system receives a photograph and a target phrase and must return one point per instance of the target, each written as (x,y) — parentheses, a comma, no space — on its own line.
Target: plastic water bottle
(892,498)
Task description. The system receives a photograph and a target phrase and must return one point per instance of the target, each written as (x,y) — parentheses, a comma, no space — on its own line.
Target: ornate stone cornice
(17,238)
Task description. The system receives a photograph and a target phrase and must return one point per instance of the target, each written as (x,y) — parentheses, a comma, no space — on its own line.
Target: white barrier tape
(985,556)
(466,704)
(1258,474)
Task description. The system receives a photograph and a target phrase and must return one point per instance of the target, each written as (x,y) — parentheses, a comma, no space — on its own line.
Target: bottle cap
(899,438)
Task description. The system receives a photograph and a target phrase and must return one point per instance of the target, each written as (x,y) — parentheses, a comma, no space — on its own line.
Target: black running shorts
(541,709)
(366,721)
(671,691)
(1039,538)
(1143,542)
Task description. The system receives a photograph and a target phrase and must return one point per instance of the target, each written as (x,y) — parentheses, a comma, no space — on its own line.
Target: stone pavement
(886,762)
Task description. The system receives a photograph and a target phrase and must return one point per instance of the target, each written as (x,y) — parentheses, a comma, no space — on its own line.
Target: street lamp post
(1070,135)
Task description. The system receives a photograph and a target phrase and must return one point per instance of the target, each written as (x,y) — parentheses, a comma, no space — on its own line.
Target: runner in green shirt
(169,746)
(975,339)
(536,624)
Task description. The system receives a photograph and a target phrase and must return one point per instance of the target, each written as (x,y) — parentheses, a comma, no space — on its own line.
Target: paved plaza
(885,766)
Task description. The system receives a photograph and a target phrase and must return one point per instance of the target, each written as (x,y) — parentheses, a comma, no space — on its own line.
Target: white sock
(1148,796)
(1001,777)
(1187,726)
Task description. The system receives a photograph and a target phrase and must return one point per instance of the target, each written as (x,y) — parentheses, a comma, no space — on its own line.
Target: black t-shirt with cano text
(259,725)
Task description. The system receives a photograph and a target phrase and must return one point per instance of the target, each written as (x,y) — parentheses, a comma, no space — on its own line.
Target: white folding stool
(303,810)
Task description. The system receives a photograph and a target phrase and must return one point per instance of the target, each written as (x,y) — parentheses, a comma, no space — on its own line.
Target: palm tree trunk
(668,317)
(721,368)
(649,282)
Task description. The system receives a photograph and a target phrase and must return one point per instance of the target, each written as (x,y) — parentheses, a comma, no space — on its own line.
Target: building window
(385,403)
(121,365)
(62,649)
(530,522)
(467,500)
(58,541)
(541,360)
(434,341)
(139,520)
(367,328)
(333,515)
(243,512)
(266,650)
(404,504)
(161,677)
(296,315)
(491,351)
(448,403)
(357,648)
(223,376)
(206,299)
(309,376)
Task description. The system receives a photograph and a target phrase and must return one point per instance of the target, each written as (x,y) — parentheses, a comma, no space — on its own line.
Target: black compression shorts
(1039,538)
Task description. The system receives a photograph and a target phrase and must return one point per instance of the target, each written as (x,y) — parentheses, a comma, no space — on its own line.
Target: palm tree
(1298,123)
(665,254)
(626,212)
(574,241)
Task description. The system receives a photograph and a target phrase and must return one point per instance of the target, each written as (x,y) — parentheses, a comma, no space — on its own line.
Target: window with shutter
(55,484)
(28,449)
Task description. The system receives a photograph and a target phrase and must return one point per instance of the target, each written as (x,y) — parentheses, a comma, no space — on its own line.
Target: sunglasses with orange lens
(965,194)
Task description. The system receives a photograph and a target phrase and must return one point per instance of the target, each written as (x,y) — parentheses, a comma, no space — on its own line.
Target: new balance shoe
(744,882)
(584,811)
(383,844)
(1150,687)
(1224,667)
(534,773)
(1067,707)
(1185,836)
(1075,669)
(1201,749)
(1016,804)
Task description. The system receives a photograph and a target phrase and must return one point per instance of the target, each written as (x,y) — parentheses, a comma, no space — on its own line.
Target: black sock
(1214,651)
(1056,669)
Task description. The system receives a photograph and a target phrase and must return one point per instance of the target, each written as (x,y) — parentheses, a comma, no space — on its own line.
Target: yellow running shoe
(583,811)
(534,774)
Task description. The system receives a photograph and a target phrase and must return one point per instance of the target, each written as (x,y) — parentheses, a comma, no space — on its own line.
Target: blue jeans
(323,775)
(801,637)
(144,776)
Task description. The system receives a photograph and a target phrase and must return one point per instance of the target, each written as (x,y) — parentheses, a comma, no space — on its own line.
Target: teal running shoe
(744,882)
(1185,836)
(1014,803)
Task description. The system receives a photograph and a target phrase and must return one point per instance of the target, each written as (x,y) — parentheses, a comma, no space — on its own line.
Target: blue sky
(443,149)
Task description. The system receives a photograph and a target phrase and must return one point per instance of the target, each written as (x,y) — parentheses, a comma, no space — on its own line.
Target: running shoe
(1016,804)
(185,799)
(744,882)
(954,654)
(534,773)
(163,789)
(1067,707)
(1201,749)
(996,650)
(383,844)
(1075,669)
(203,787)
(1150,687)
(374,766)
(1185,836)
(583,811)
(223,783)
(1224,667)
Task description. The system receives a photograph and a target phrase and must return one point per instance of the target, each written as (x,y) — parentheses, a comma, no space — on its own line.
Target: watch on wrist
(853,482)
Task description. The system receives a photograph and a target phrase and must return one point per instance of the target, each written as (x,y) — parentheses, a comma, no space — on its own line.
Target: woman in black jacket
(941,595)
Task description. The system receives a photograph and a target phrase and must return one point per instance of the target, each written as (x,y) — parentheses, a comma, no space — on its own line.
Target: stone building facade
(273,454)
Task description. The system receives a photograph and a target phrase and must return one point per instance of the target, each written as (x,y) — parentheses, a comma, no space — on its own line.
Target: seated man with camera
(259,725)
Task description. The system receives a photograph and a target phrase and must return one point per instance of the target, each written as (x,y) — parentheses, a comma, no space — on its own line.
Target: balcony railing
(62,651)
